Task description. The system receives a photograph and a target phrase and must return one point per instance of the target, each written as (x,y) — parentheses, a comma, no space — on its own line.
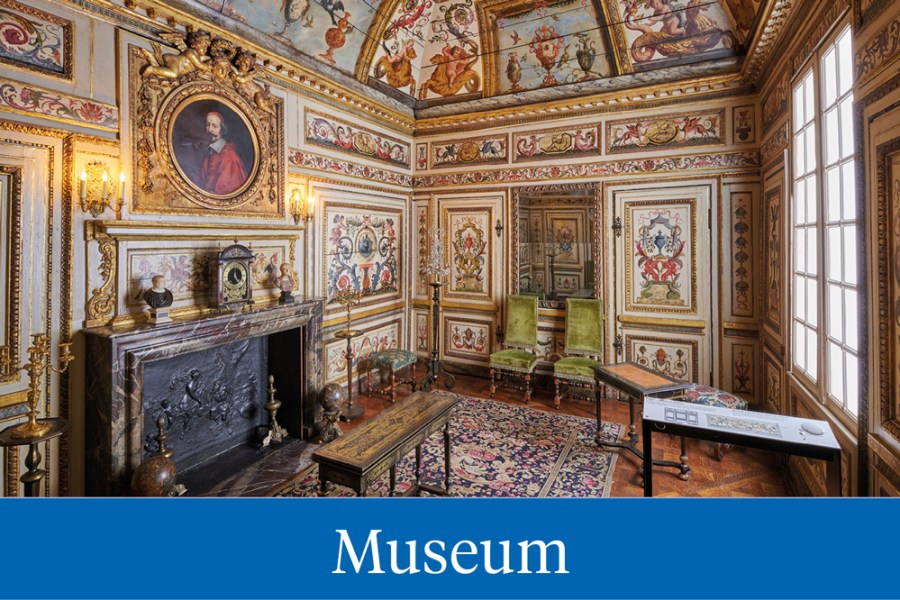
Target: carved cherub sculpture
(193,55)
(244,72)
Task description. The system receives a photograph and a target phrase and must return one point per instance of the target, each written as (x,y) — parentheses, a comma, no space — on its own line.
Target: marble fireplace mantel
(117,356)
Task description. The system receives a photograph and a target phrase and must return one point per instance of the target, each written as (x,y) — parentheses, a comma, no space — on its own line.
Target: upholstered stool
(393,361)
(709,396)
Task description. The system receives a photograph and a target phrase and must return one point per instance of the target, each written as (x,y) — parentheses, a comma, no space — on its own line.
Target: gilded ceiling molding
(775,15)
(826,20)
(373,38)
(334,166)
(664,164)
(570,108)
(158,17)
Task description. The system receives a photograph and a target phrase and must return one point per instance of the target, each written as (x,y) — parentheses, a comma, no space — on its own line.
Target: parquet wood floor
(741,472)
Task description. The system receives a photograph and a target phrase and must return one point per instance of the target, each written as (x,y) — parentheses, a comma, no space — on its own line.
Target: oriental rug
(501,449)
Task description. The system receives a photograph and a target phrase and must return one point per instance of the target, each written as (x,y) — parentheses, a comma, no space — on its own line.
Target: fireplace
(207,377)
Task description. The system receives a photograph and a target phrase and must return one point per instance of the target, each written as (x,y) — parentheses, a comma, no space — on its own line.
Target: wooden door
(663,310)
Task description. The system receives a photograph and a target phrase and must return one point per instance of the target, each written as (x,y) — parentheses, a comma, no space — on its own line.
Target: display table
(362,455)
(637,383)
(791,435)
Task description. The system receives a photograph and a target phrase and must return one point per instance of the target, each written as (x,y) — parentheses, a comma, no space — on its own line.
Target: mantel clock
(233,277)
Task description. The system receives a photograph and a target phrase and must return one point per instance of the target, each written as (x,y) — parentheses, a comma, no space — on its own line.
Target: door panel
(662,278)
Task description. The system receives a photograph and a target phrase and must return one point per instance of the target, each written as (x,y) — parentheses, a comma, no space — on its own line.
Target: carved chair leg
(414,377)
(527,388)
(369,382)
(685,469)
(393,386)
(493,387)
(556,398)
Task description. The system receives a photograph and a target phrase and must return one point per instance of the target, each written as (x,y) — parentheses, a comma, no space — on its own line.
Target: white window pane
(800,250)
(829,76)
(836,372)
(798,108)
(799,153)
(810,150)
(847,148)
(851,375)
(832,137)
(851,338)
(808,98)
(812,302)
(835,312)
(833,253)
(833,193)
(799,297)
(812,355)
(849,250)
(800,202)
(811,202)
(800,346)
(812,256)
(845,61)
(848,194)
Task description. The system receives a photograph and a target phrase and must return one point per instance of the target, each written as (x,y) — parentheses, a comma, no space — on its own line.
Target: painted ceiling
(461,55)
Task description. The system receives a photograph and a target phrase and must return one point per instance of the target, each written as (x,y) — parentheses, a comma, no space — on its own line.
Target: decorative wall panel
(347,138)
(423,222)
(669,131)
(773,389)
(28,99)
(421,157)
(775,103)
(469,249)
(10,265)
(468,339)
(744,124)
(362,251)
(422,332)
(741,373)
(675,357)
(742,254)
(879,51)
(469,152)
(773,257)
(550,144)
(335,166)
(35,40)
(661,272)
(374,339)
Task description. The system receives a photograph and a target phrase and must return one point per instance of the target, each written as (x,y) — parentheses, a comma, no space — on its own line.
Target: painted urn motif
(546,46)
(584,54)
(514,72)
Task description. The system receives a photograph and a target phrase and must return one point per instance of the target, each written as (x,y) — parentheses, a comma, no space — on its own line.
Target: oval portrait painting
(213,146)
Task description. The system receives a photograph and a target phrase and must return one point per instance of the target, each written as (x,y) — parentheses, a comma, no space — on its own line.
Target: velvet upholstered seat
(521,338)
(392,361)
(584,342)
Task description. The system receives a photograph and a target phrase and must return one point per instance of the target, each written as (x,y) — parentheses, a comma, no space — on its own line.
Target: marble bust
(158,296)
(285,283)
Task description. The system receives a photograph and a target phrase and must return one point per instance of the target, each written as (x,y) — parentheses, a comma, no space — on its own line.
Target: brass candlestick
(349,297)
(276,433)
(38,354)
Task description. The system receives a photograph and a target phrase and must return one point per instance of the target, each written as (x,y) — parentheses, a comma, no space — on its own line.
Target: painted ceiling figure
(673,30)
(453,71)
(396,66)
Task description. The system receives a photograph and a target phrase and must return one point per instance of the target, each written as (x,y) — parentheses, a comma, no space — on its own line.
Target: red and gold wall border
(35,101)
(684,130)
(561,142)
(348,138)
(335,166)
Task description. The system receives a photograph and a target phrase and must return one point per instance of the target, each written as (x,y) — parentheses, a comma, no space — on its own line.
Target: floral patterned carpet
(501,449)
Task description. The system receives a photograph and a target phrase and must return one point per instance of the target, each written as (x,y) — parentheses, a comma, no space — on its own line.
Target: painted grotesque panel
(773,257)
(671,131)
(661,269)
(361,250)
(30,99)
(466,338)
(672,357)
(567,239)
(742,254)
(329,31)
(354,140)
(422,329)
(478,151)
(743,369)
(422,249)
(469,248)
(744,124)
(544,44)
(568,283)
(569,142)
(658,33)
(421,157)
(372,340)
(772,385)
(35,40)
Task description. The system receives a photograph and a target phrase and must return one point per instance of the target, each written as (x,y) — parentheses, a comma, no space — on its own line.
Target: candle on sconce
(105,182)
(122,186)
(310,206)
(83,184)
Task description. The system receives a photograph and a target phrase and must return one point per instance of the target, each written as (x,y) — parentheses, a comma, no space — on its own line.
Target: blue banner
(448,548)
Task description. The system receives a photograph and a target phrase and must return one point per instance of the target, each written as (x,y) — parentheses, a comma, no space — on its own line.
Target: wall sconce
(302,208)
(499,227)
(96,192)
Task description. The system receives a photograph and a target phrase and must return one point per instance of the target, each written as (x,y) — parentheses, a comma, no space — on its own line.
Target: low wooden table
(791,435)
(638,382)
(362,455)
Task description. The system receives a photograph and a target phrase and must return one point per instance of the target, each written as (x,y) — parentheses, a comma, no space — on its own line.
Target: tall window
(824,294)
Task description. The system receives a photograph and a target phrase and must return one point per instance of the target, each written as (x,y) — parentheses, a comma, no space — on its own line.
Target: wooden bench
(362,455)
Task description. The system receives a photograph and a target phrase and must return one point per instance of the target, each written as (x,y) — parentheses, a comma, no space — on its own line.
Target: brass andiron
(38,354)
(276,432)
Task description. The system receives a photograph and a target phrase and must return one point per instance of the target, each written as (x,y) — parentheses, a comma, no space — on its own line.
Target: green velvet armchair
(584,345)
(521,342)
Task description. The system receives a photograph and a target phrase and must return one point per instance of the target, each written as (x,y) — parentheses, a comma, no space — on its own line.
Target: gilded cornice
(154,16)
(569,108)
(761,48)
